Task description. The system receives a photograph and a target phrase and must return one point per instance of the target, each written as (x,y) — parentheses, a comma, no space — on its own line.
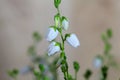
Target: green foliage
(87,74)
(107,47)
(37,37)
(13,73)
(104,71)
(57,3)
(76,66)
(31,50)
(70,77)
(109,33)
(67,35)
(41,67)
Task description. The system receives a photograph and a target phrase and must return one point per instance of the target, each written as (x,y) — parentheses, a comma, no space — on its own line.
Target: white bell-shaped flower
(73,40)
(97,62)
(65,24)
(52,34)
(53,48)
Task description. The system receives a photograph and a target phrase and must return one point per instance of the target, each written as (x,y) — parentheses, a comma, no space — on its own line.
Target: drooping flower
(53,48)
(73,40)
(52,34)
(97,62)
(65,23)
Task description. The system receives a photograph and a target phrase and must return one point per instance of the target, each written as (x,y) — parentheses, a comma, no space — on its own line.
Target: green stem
(66,73)
(66,65)
(58,10)
(75,75)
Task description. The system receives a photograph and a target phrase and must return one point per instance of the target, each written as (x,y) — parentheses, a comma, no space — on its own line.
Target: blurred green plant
(106,60)
(58,46)
(87,74)
(13,73)
(46,70)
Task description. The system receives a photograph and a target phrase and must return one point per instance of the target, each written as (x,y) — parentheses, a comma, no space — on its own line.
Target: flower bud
(57,20)
(53,48)
(52,34)
(65,23)
(73,40)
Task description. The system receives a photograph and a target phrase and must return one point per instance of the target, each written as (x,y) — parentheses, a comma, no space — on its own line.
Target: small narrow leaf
(41,67)
(87,74)
(57,3)
(109,33)
(13,73)
(76,66)
(36,36)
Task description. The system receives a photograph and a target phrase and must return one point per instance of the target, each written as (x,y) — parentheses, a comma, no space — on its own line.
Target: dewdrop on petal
(52,34)
(73,40)
(53,48)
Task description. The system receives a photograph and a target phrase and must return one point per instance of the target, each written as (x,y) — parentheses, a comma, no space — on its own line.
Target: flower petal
(65,24)
(52,49)
(52,34)
(73,40)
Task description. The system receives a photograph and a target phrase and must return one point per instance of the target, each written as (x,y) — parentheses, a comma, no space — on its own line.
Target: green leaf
(36,36)
(63,68)
(46,78)
(31,50)
(62,56)
(41,67)
(104,38)
(36,73)
(109,33)
(57,3)
(104,71)
(76,66)
(66,35)
(70,77)
(64,18)
(87,74)
(13,73)
(108,47)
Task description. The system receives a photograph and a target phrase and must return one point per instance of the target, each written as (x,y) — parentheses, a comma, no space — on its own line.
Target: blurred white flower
(25,70)
(53,48)
(52,34)
(65,24)
(73,40)
(97,62)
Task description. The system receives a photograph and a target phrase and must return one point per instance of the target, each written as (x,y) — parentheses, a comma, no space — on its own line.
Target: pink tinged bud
(53,48)
(97,62)
(52,34)
(73,40)
(65,24)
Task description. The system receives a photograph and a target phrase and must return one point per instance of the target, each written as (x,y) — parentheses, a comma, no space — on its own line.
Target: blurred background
(88,19)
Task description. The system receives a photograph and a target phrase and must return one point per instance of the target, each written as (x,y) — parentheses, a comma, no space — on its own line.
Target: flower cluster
(61,24)
(53,32)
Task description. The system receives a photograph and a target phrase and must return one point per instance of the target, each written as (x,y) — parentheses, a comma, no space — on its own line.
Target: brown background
(88,19)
